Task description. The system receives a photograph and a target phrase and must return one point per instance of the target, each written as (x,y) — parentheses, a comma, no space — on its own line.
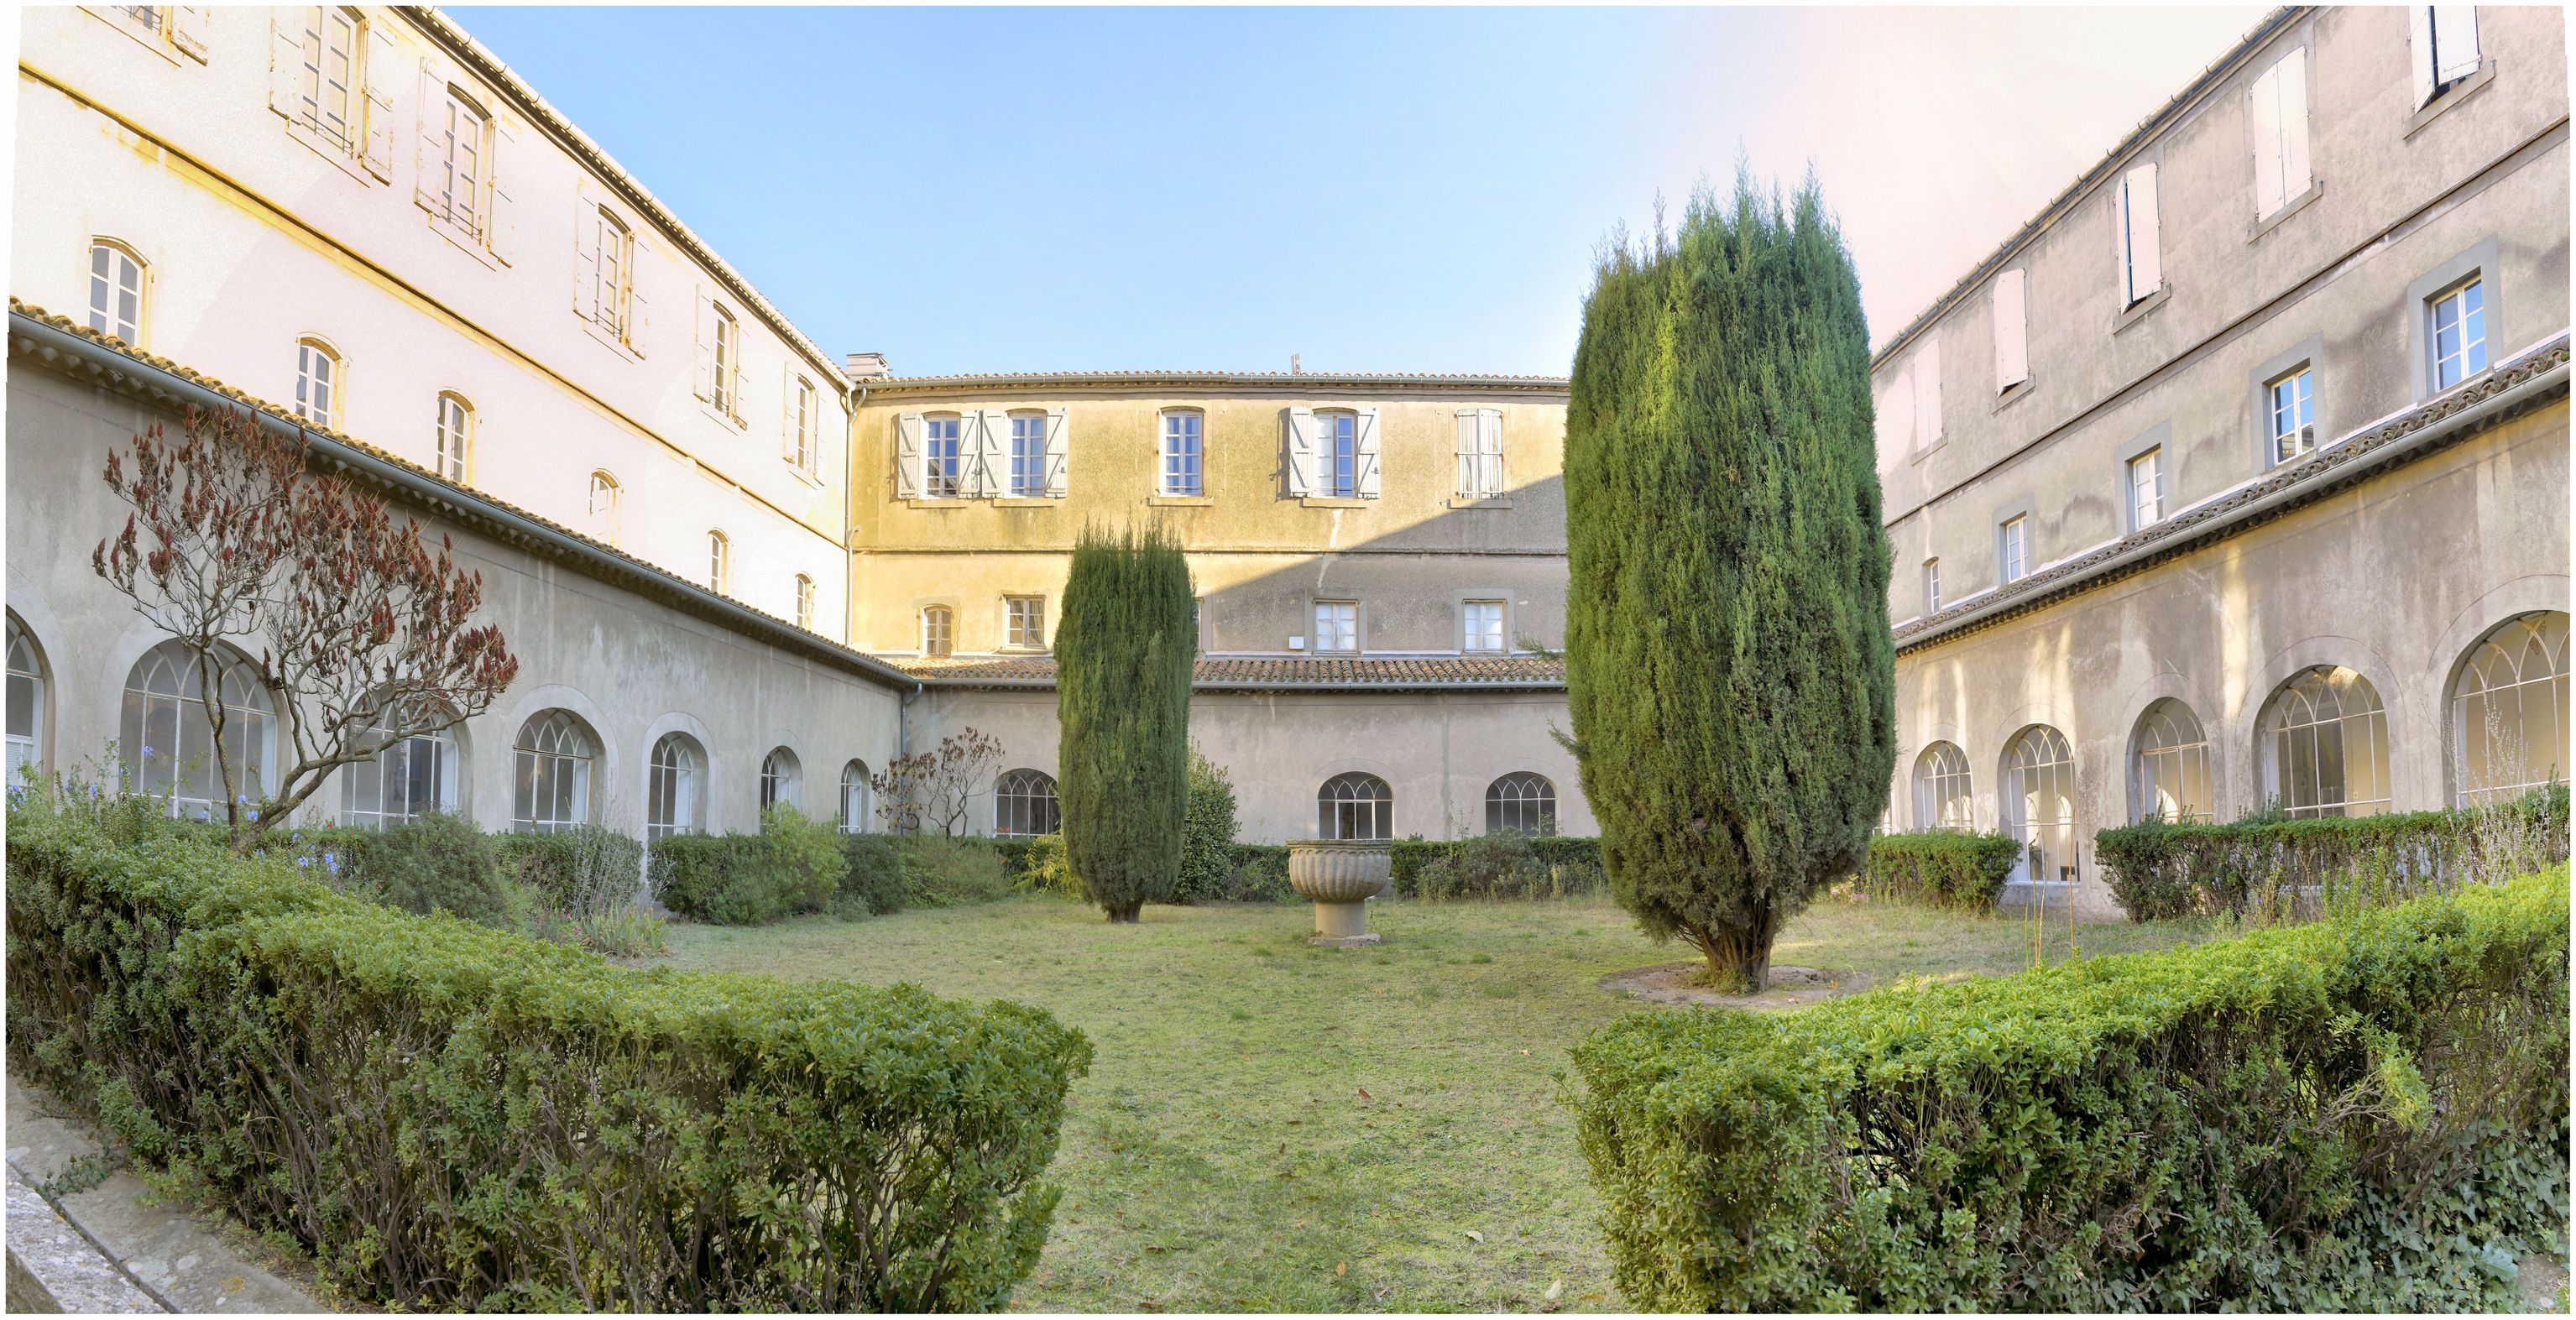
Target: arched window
(1941,789)
(2324,745)
(938,631)
(719,560)
(603,507)
(551,764)
(1354,806)
(854,798)
(169,744)
(1024,804)
(804,601)
(1522,802)
(2169,765)
(2039,804)
(26,701)
(672,787)
(317,383)
(2509,711)
(455,436)
(116,291)
(407,780)
(781,779)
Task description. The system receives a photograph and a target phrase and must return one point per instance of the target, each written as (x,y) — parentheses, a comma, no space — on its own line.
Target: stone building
(2239,475)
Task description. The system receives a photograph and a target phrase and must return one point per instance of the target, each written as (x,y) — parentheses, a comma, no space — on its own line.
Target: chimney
(868,366)
(1295,367)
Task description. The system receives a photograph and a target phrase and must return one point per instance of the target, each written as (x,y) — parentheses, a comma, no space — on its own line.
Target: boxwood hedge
(1940,868)
(2364,1114)
(452,1117)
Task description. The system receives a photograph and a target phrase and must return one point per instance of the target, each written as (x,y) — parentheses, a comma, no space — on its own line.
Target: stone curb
(54,1269)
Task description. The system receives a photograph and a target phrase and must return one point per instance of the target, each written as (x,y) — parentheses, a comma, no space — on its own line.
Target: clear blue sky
(1399,189)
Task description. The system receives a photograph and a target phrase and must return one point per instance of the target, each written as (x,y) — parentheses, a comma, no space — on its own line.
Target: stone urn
(1340,875)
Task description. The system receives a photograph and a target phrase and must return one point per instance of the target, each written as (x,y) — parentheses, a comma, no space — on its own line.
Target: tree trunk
(1739,960)
(1126,916)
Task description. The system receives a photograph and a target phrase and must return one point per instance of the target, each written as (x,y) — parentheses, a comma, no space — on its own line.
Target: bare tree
(936,787)
(363,631)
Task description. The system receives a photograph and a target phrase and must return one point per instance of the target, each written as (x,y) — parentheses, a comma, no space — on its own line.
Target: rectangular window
(457,175)
(317,383)
(2445,45)
(801,425)
(609,276)
(2012,331)
(2280,114)
(1485,625)
(2459,334)
(2016,549)
(1184,471)
(1028,456)
(1337,626)
(325,91)
(2141,250)
(728,365)
(2146,488)
(1024,622)
(1338,444)
(939,458)
(1927,396)
(1480,454)
(935,635)
(2294,415)
(1932,585)
(455,430)
(116,293)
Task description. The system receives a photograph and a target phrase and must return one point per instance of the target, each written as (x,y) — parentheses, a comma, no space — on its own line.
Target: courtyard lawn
(1275,1127)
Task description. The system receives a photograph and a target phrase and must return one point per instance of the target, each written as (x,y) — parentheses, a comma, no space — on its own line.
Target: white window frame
(2147,488)
(1499,635)
(1026,457)
(605,496)
(948,483)
(2292,431)
(2473,356)
(804,602)
(938,631)
(1024,623)
(1329,461)
(1932,586)
(719,560)
(612,275)
(313,80)
(2015,543)
(804,420)
(454,452)
(321,382)
(469,222)
(1344,637)
(107,286)
(1183,471)
(1481,471)
(725,369)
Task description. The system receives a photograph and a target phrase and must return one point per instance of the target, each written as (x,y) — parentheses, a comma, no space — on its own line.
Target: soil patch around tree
(1790,987)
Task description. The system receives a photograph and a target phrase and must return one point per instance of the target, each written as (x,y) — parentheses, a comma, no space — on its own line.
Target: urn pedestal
(1340,875)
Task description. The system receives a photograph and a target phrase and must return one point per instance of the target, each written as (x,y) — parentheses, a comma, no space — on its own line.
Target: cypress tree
(1729,665)
(1123,655)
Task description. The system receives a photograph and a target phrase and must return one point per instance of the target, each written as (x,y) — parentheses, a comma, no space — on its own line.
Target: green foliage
(942,872)
(583,870)
(1123,657)
(874,876)
(1258,874)
(793,865)
(1729,669)
(1943,868)
(1574,864)
(2362,1114)
(449,1117)
(2270,863)
(1045,870)
(439,863)
(1207,833)
(1505,865)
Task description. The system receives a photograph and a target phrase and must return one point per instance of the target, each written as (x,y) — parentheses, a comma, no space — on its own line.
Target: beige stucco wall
(1437,752)
(632,667)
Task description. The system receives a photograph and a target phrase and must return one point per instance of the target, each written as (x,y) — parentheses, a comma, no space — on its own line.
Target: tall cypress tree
(1729,665)
(1123,655)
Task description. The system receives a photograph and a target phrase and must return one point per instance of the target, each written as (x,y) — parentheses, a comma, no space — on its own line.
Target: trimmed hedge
(1940,868)
(2169,870)
(2363,1114)
(584,869)
(454,1118)
(791,866)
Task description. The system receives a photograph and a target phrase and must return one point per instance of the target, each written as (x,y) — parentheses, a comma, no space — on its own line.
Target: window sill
(1927,451)
(1180,501)
(2451,96)
(1475,502)
(2139,310)
(2265,225)
(329,150)
(466,239)
(1333,502)
(2011,394)
(708,407)
(155,41)
(1027,501)
(610,338)
(936,502)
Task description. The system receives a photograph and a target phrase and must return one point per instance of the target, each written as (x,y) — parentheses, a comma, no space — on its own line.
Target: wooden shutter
(2419,51)
(790,436)
(286,59)
(383,65)
(1056,453)
(992,442)
(2144,257)
(1896,417)
(1299,437)
(431,152)
(2294,125)
(1498,469)
(702,376)
(639,317)
(585,248)
(907,456)
(1927,396)
(1366,451)
(2455,41)
(188,31)
(2264,107)
(1470,421)
(501,216)
(2012,331)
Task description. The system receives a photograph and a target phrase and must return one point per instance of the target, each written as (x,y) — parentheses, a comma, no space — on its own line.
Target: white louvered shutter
(2455,41)
(2012,331)
(993,453)
(2419,51)
(639,317)
(1498,470)
(907,456)
(1055,453)
(383,67)
(501,224)
(2140,233)
(702,374)
(585,249)
(791,437)
(1927,396)
(2295,174)
(286,60)
(431,152)
(2265,109)
(1300,439)
(1365,450)
(188,31)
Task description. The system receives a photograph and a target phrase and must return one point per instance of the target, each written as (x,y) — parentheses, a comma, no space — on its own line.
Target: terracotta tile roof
(2329,468)
(456,499)
(1264,673)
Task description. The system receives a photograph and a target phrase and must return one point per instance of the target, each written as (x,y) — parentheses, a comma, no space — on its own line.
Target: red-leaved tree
(363,632)
(936,787)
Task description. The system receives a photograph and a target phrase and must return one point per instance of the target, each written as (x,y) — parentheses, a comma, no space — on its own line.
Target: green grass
(1220,1155)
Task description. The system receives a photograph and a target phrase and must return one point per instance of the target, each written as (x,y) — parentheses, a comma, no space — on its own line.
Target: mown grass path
(1221,1155)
